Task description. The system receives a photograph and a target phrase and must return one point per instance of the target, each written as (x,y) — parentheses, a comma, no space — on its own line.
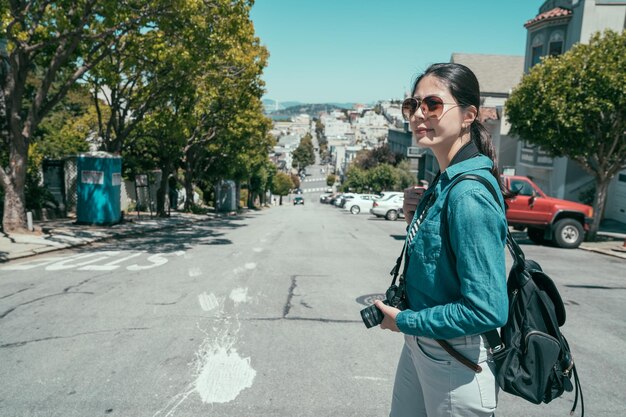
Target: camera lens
(371,316)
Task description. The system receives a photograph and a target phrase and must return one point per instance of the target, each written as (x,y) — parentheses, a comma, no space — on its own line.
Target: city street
(254,315)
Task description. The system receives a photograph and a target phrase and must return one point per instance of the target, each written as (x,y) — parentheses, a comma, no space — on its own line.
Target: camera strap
(412,227)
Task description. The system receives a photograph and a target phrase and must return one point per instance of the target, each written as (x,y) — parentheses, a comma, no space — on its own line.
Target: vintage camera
(372,316)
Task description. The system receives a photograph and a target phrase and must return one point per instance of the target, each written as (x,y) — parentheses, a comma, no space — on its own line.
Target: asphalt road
(254,316)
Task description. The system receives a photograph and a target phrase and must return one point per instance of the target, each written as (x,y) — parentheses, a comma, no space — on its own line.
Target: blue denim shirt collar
(471,164)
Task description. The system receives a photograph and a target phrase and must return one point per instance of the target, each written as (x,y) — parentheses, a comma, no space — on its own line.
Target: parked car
(383,195)
(341,202)
(360,203)
(388,207)
(325,197)
(334,198)
(547,219)
(298,200)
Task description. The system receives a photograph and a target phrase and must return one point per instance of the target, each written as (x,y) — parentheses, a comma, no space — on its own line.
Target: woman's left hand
(389,322)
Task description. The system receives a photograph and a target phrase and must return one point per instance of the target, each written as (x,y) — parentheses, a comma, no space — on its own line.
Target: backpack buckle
(497,349)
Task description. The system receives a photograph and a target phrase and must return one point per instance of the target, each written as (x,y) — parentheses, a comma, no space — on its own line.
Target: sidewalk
(610,240)
(64,233)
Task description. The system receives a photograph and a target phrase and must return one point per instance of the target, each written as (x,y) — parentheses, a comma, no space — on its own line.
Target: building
(558,26)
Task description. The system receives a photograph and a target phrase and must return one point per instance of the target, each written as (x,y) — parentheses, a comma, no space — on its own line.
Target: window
(524,188)
(536,50)
(555,47)
(536,55)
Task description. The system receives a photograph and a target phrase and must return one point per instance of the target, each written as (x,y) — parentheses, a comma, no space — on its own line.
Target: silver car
(388,207)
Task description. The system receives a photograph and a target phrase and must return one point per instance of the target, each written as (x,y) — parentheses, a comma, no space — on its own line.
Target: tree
(356,180)
(50,46)
(383,177)
(370,158)
(574,105)
(304,154)
(331,179)
(281,185)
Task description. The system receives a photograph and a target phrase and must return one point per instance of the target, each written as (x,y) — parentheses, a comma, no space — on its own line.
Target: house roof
(555,13)
(495,73)
(488,113)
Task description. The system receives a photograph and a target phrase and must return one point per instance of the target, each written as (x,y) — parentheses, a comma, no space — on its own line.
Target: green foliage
(380,178)
(281,184)
(383,177)
(331,180)
(370,158)
(356,180)
(65,130)
(304,154)
(574,104)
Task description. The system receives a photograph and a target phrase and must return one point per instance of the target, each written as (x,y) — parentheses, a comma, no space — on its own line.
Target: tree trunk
(238,195)
(161,209)
(13,181)
(14,218)
(188,189)
(250,202)
(602,186)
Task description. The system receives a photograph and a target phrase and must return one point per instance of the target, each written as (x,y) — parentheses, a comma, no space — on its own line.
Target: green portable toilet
(98,188)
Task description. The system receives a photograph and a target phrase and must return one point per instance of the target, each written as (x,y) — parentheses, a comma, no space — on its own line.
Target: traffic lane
(87,335)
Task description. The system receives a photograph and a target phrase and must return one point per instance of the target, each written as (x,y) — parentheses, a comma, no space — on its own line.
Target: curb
(614,250)
(88,241)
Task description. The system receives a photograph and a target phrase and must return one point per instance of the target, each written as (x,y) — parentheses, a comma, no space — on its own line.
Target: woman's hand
(389,322)
(412,197)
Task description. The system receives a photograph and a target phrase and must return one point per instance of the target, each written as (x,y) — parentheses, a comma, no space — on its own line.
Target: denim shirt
(464,293)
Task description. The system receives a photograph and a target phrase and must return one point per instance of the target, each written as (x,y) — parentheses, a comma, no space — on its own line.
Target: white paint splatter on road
(224,375)
(207,301)
(239,295)
(250,265)
(195,272)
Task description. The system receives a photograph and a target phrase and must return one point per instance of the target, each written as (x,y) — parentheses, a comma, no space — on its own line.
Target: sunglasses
(431,107)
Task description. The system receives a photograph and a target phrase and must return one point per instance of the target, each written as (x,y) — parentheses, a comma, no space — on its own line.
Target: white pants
(431,383)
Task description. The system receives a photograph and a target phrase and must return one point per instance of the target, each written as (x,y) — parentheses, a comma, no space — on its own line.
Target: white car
(389,207)
(360,203)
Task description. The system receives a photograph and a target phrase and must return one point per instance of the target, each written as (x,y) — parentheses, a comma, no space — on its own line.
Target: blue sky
(368,50)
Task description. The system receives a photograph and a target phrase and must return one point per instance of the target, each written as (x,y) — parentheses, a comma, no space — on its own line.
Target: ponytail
(482,139)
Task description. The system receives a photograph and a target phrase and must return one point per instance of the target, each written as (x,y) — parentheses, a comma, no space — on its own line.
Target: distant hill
(312,109)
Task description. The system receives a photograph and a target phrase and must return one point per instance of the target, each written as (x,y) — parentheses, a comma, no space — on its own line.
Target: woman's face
(436,132)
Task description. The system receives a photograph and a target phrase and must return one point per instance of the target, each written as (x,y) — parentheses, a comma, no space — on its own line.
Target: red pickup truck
(547,219)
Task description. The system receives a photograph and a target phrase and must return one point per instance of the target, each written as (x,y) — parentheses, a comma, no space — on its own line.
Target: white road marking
(88,261)
(111,265)
(258,250)
(31,265)
(66,264)
(370,378)
(250,265)
(157,260)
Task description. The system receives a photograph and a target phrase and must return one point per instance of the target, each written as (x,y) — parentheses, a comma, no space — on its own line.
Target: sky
(362,51)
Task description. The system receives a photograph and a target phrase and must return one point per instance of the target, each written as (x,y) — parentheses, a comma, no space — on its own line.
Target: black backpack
(532,357)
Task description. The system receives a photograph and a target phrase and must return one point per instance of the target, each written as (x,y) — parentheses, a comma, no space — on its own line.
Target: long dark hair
(464,87)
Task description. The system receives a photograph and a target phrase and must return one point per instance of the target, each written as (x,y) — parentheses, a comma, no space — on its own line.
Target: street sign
(414,152)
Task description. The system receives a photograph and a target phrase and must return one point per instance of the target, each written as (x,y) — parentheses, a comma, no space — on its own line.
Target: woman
(455,291)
